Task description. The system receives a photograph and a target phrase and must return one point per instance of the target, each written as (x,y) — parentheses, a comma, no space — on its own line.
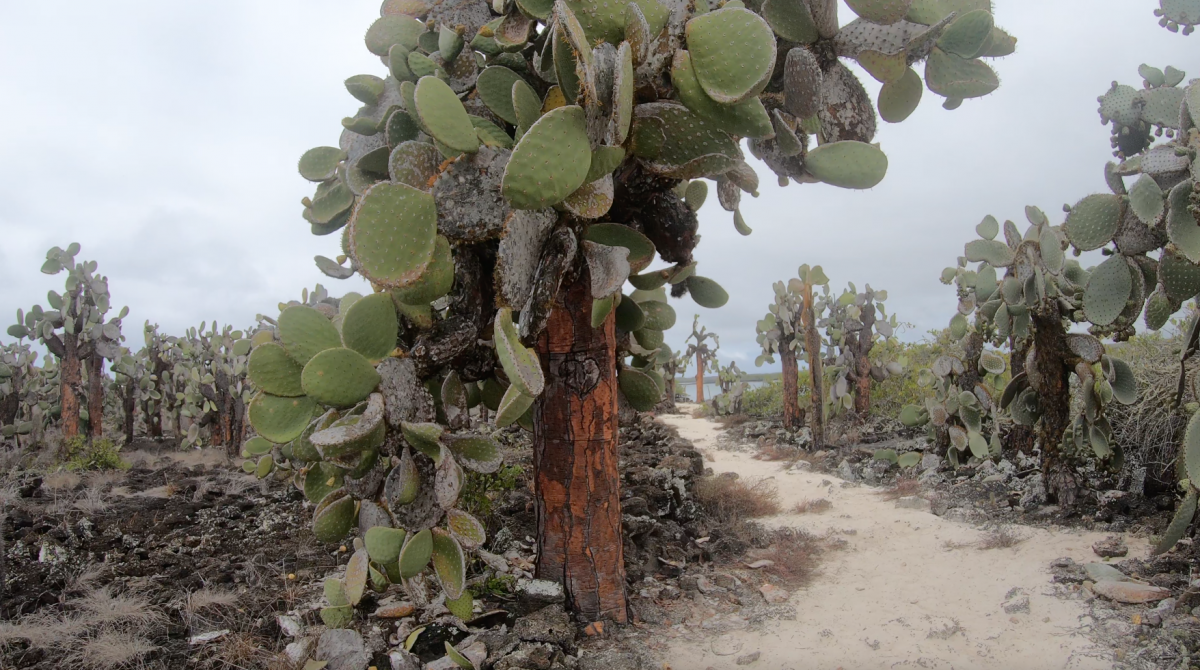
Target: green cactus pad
(601,308)
(512,406)
(848,164)
(641,249)
(367,88)
(339,377)
(706,292)
(415,554)
(898,99)
(1182,519)
(1093,221)
(659,315)
(623,95)
(712,37)
(676,143)
(331,199)
(495,87)
(883,12)
(449,563)
(790,20)
(802,80)
(475,452)
(1147,200)
(490,134)
(695,194)
(526,105)
(321,163)
(955,77)
(1191,445)
(564,65)
(748,118)
(392,30)
(321,480)
(1180,277)
(1107,290)
(264,467)
(968,35)
(279,419)
(443,115)
(383,544)
(993,252)
(1182,227)
(448,482)
(649,339)
(550,162)
(392,234)
(335,519)
(435,282)
(605,20)
(883,67)
(370,326)
(424,437)
(1158,309)
(256,446)
(630,316)
(639,389)
(272,370)
(522,366)
(465,528)
(604,161)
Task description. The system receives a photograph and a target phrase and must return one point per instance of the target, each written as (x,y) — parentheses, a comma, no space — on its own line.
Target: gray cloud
(163,137)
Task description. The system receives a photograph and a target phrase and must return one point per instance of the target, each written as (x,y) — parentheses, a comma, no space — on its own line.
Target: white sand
(882,601)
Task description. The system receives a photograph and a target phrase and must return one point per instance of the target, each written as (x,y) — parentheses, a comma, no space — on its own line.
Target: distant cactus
(733,388)
(532,162)
(856,322)
(791,328)
(700,351)
(75,331)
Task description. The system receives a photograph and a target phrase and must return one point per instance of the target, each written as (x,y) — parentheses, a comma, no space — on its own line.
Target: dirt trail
(905,593)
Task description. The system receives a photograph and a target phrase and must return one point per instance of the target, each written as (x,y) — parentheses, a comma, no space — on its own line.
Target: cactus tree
(856,322)
(529,157)
(75,331)
(700,351)
(791,328)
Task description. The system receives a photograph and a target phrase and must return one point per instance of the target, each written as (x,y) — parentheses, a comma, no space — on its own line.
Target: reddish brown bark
(575,458)
(71,383)
(791,387)
(1051,379)
(699,378)
(95,395)
(862,385)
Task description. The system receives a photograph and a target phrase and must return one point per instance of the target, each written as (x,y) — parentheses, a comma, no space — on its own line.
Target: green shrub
(479,490)
(99,454)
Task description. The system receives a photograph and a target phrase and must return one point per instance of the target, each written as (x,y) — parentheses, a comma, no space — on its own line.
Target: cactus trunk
(791,388)
(812,344)
(95,395)
(862,386)
(128,405)
(71,379)
(575,459)
(1020,438)
(1054,400)
(699,378)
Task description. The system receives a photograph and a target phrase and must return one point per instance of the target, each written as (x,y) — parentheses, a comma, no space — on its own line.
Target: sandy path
(898,596)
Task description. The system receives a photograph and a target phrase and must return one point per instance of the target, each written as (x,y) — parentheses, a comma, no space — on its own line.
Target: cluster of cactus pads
(855,323)
(1175,13)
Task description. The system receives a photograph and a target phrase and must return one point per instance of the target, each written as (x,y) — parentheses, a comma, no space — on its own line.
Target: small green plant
(479,489)
(98,454)
(497,586)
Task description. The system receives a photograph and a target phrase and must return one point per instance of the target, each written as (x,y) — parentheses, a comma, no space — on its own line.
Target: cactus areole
(513,167)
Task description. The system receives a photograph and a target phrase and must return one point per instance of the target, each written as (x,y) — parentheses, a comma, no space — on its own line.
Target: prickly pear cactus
(963,421)
(856,322)
(1176,13)
(27,392)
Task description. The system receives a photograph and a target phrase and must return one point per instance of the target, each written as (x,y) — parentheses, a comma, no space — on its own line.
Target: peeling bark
(791,388)
(812,343)
(577,482)
(95,395)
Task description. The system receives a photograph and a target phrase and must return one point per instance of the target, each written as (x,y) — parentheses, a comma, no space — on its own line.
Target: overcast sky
(164,136)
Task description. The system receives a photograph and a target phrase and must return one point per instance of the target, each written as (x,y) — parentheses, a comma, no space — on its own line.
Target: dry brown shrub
(103,607)
(795,556)
(733,420)
(61,481)
(811,506)
(904,487)
(729,498)
(1001,536)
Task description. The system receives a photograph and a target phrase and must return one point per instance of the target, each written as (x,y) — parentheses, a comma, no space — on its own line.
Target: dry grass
(729,498)
(795,556)
(104,479)
(61,481)
(91,501)
(192,458)
(236,483)
(235,651)
(904,487)
(102,607)
(42,631)
(811,506)
(208,599)
(1001,537)
(108,649)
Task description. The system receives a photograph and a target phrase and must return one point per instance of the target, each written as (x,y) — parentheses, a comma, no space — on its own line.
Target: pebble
(747,659)
(1099,572)
(1129,592)
(290,625)
(773,594)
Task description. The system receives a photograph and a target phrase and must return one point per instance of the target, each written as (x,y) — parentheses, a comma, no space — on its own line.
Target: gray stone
(1111,547)
(914,502)
(343,649)
(1035,492)
(616,659)
(747,659)
(801,466)
(290,625)
(539,592)
(846,471)
(930,462)
(1017,605)
(298,651)
(550,624)
(1130,592)
(964,515)
(400,659)
(1103,572)
(530,657)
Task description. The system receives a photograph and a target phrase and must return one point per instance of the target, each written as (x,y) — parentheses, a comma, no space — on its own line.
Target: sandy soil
(910,591)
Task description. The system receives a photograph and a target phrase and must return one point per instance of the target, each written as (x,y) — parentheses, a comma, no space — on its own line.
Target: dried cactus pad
(848,164)
(392,234)
(733,50)
(550,162)
(443,115)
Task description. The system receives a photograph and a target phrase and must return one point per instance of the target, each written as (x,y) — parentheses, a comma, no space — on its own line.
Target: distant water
(711,390)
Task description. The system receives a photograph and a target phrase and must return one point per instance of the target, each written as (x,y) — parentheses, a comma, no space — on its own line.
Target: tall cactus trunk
(862,386)
(791,388)
(71,385)
(812,344)
(128,405)
(95,395)
(1054,400)
(1020,438)
(699,379)
(575,457)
